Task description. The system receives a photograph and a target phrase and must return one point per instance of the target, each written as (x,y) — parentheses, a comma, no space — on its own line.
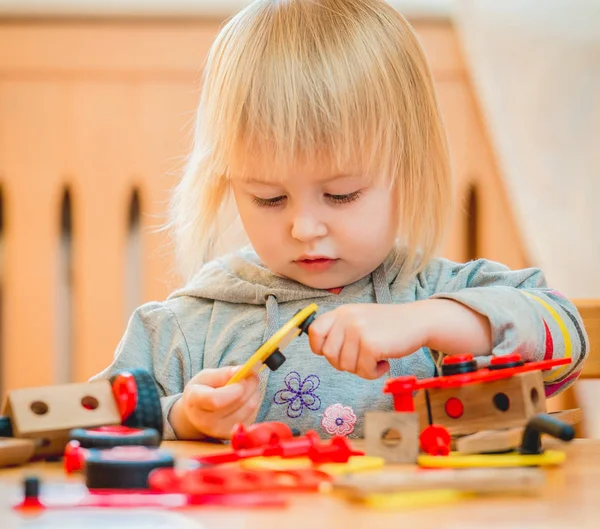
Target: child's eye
(269,202)
(341,199)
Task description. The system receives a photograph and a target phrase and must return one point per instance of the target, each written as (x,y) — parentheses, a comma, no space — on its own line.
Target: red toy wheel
(147,411)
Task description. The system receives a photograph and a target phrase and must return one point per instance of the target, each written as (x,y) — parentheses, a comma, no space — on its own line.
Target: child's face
(317,227)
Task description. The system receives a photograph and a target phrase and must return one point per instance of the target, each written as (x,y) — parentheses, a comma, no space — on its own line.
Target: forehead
(254,168)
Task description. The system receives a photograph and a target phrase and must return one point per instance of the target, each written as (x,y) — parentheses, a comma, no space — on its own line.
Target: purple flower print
(298,394)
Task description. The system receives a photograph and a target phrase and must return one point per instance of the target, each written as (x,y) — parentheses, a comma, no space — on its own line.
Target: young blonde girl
(318,125)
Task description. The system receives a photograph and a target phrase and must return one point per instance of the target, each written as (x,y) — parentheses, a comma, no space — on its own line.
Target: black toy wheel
(111,436)
(148,411)
(124,467)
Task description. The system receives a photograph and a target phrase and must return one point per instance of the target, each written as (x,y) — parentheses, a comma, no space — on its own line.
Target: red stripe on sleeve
(549,343)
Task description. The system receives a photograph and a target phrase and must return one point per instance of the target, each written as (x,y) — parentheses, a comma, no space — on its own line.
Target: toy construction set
(466,432)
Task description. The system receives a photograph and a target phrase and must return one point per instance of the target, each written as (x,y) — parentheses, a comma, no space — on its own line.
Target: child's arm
(153,341)
(194,401)
(524,315)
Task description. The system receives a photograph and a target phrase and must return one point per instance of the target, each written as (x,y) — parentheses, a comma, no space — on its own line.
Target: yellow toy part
(279,341)
(510,459)
(408,500)
(354,464)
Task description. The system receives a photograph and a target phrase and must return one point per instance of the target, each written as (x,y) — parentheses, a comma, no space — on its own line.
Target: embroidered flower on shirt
(339,420)
(299,394)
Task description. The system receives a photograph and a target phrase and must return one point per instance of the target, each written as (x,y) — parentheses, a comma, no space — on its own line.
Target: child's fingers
(250,386)
(333,345)
(318,331)
(214,378)
(245,413)
(368,367)
(348,360)
(207,399)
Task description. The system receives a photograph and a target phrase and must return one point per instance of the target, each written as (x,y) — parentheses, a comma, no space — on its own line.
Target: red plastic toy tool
(338,450)
(211,481)
(259,434)
(501,367)
(75,497)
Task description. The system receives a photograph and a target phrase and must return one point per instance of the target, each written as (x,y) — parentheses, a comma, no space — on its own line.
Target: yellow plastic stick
(512,459)
(289,331)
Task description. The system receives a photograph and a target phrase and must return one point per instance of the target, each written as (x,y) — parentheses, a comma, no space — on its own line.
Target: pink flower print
(339,420)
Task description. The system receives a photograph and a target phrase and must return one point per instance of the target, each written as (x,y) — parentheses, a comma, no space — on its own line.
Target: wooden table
(570,499)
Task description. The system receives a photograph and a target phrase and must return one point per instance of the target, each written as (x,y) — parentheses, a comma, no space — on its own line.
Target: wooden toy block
(15,451)
(516,480)
(392,435)
(500,404)
(48,413)
(573,416)
(490,441)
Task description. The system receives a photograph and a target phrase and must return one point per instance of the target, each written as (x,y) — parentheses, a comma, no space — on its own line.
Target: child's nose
(306,228)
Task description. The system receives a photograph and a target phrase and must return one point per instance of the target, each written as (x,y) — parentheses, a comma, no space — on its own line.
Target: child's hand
(360,338)
(210,408)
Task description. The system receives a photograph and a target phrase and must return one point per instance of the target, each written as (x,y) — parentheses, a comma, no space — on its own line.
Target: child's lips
(315,264)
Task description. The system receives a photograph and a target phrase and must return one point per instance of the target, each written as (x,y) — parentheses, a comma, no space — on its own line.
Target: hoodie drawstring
(384,296)
(271,328)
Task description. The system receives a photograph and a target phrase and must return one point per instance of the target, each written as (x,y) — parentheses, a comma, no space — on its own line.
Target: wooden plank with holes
(489,405)
(47,414)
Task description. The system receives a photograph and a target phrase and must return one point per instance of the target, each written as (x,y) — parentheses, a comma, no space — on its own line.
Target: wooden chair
(590,312)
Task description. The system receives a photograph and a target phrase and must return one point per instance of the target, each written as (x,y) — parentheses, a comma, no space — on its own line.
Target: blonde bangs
(343,82)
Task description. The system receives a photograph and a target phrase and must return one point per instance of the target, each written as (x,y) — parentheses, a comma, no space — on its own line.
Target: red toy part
(116,430)
(337,450)
(402,389)
(120,499)
(125,392)
(435,440)
(74,457)
(259,434)
(215,481)
(482,375)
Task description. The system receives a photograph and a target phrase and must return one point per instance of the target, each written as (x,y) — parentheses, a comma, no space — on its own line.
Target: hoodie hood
(241,277)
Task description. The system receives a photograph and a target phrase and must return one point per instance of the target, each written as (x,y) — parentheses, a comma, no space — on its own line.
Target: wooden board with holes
(505,403)
(47,413)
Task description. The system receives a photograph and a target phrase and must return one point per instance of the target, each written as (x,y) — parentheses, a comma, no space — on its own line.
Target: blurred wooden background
(95,119)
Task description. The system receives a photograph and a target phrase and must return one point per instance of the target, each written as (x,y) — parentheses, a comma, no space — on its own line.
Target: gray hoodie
(235,303)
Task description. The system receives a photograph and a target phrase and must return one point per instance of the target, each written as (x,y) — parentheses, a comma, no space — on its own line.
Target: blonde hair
(334,80)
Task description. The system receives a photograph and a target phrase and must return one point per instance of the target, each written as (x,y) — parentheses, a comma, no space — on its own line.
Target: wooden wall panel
(104,133)
(31,155)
